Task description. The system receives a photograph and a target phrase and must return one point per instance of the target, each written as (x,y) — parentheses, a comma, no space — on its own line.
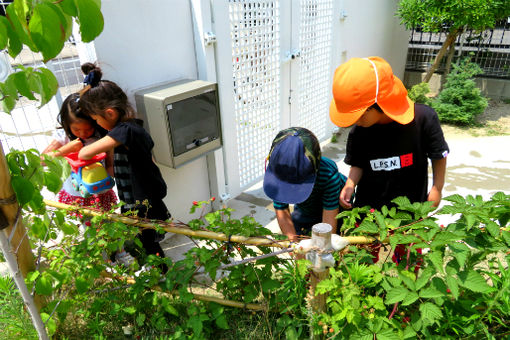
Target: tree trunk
(448,66)
(450,39)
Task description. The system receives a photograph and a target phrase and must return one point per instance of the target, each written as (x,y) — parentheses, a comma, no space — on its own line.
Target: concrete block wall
(497,89)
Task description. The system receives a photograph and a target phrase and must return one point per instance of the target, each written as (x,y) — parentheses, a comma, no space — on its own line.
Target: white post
(321,237)
(20,282)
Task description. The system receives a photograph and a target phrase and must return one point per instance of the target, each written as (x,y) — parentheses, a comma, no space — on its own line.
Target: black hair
(70,112)
(100,95)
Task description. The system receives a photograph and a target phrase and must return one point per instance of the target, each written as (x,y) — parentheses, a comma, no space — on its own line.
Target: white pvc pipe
(20,282)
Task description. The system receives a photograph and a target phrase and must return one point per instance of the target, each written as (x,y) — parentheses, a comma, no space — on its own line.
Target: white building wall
(145,43)
(371,28)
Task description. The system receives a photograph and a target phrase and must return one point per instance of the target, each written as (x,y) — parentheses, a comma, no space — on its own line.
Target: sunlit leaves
(27,82)
(90,19)
(43,26)
(47,30)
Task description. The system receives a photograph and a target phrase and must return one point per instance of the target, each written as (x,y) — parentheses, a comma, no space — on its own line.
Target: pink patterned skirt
(102,201)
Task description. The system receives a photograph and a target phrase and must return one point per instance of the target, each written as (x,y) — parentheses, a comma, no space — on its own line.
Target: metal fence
(29,126)
(490,49)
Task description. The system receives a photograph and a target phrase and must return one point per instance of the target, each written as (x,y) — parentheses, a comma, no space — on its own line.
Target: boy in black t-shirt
(392,139)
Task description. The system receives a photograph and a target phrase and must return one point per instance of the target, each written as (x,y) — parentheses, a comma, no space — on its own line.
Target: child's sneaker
(124,258)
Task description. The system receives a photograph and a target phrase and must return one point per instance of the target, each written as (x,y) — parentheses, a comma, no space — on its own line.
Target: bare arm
(286,225)
(109,163)
(54,145)
(328,216)
(105,144)
(438,176)
(348,190)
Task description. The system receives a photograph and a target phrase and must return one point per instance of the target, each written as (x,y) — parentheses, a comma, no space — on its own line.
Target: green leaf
(130,310)
(69,228)
(50,323)
(20,81)
(455,199)
(436,257)
(387,334)
(3,33)
(69,7)
(472,280)
(52,182)
(430,293)
(221,322)
(430,311)
(410,298)
(47,30)
(408,278)
(402,202)
(18,18)
(460,252)
(140,319)
(396,294)
(493,228)
(470,220)
(23,188)
(170,309)
(291,333)
(367,226)
(14,44)
(8,97)
(49,85)
(453,285)
(269,285)
(90,19)
(32,276)
(81,285)
(506,237)
(43,286)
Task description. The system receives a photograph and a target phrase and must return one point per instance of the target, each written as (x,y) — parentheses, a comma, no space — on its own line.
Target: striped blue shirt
(325,193)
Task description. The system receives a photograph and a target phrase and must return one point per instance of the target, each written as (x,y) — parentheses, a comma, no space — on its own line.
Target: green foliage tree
(434,15)
(418,93)
(43,26)
(460,101)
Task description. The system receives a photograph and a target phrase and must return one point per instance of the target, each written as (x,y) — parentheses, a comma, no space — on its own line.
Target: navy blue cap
(292,168)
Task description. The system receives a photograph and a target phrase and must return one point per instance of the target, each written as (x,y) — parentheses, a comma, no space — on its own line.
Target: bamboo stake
(172,228)
(19,241)
(209,298)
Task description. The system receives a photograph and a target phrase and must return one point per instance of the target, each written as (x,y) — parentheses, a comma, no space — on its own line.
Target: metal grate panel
(255,36)
(29,126)
(315,64)
(489,49)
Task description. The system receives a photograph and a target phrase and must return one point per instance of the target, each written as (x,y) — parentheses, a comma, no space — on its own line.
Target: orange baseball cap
(362,82)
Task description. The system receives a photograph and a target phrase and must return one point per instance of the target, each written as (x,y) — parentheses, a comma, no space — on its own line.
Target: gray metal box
(183,119)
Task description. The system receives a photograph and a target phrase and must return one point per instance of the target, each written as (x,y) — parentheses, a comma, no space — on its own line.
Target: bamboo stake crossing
(182,230)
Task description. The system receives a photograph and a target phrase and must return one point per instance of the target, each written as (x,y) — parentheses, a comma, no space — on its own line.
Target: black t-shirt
(137,177)
(394,158)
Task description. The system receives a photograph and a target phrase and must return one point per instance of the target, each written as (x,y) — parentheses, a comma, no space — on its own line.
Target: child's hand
(346,195)
(72,146)
(434,196)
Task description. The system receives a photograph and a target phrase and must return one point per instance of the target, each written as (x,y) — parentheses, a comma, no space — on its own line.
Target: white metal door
(273,69)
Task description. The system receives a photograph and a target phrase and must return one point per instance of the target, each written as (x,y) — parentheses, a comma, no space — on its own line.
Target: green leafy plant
(461,101)
(458,288)
(418,93)
(43,26)
(14,320)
